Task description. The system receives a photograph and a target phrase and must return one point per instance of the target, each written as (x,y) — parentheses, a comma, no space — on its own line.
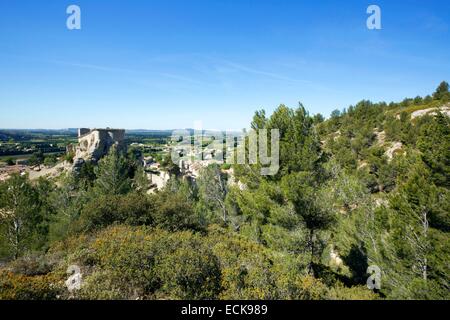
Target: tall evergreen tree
(20,214)
(112,174)
(442,92)
(434,143)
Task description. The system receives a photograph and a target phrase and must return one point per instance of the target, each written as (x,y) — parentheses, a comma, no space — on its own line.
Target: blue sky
(165,64)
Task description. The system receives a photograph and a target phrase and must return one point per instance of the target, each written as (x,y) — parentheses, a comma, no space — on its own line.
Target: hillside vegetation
(367,187)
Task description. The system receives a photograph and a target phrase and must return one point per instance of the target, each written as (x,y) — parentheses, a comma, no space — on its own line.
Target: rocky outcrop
(93,144)
(431,111)
(395,147)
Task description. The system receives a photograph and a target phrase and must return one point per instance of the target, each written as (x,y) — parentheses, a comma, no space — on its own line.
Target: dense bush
(20,287)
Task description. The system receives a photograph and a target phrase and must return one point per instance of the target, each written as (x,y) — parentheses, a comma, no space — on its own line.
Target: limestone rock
(93,144)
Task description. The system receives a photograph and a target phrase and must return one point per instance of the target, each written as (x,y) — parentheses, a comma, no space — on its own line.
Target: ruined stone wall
(93,144)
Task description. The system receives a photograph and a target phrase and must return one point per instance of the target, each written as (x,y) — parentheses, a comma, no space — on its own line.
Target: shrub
(139,262)
(246,267)
(10,162)
(132,209)
(339,292)
(21,287)
(191,271)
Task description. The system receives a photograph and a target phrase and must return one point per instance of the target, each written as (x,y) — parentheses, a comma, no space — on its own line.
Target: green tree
(434,143)
(299,143)
(173,211)
(132,209)
(411,247)
(10,162)
(86,177)
(168,165)
(442,92)
(112,174)
(19,214)
(335,114)
(259,120)
(213,189)
(68,200)
(50,161)
(140,181)
(318,118)
(299,189)
(36,159)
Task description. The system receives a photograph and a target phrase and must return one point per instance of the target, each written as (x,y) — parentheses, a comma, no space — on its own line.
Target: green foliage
(86,176)
(69,157)
(124,261)
(339,204)
(36,159)
(68,201)
(24,215)
(143,263)
(168,165)
(50,161)
(299,144)
(442,92)
(140,181)
(112,174)
(20,287)
(131,209)
(174,212)
(340,292)
(259,120)
(212,189)
(434,143)
(190,271)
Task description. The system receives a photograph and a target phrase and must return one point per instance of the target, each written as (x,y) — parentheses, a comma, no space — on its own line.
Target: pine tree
(213,188)
(19,213)
(299,190)
(112,174)
(442,92)
(411,258)
(434,143)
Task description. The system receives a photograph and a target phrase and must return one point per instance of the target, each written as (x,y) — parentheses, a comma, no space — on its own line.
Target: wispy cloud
(92,66)
(210,65)
(247,69)
(139,77)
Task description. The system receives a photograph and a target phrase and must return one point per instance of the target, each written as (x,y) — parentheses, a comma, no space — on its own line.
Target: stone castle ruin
(93,144)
